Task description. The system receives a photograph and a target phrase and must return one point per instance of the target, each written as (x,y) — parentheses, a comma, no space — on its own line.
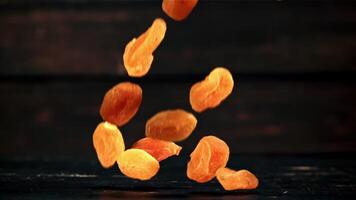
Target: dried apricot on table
(108,143)
(235,180)
(209,155)
(138,164)
(121,103)
(210,92)
(138,52)
(171,125)
(178,9)
(159,149)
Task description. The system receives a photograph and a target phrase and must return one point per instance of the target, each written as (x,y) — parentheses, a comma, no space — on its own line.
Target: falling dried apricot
(210,92)
(209,155)
(121,103)
(138,164)
(171,125)
(235,180)
(159,149)
(178,9)
(108,143)
(138,52)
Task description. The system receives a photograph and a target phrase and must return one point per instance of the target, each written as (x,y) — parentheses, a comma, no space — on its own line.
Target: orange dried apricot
(171,125)
(138,52)
(178,9)
(108,143)
(210,154)
(138,164)
(210,92)
(159,149)
(121,103)
(235,180)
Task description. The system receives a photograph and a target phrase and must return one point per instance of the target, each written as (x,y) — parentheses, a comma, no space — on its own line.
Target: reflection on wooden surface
(327,176)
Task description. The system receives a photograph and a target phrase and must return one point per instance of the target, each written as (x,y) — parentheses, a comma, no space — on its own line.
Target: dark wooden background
(294,63)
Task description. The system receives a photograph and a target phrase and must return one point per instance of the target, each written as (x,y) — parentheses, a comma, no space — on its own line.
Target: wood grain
(41,117)
(319,176)
(88,37)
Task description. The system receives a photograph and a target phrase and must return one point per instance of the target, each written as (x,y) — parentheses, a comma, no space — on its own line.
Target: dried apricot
(108,143)
(138,52)
(138,164)
(210,92)
(209,155)
(235,180)
(171,125)
(178,9)
(121,103)
(159,149)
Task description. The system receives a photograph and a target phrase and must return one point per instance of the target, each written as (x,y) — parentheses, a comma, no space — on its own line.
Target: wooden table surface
(318,176)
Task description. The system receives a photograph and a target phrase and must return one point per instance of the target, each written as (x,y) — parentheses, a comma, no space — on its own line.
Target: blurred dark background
(294,65)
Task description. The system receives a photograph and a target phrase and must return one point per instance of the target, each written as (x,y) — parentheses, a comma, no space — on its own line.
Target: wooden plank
(41,117)
(288,177)
(74,37)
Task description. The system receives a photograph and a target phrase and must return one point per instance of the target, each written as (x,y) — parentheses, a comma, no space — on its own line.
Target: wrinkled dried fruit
(210,92)
(235,180)
(171,125)
(138,164)
(178,9)
(159,149)
(138,52)
(209,155)
(121,103)
(108,143)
